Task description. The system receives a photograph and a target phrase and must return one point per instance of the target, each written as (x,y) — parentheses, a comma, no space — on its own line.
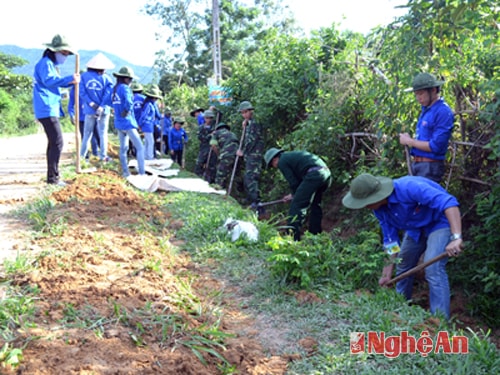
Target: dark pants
(176,156)
(165,144)
(432,170)
(309,194)
(54,134)
(94,142)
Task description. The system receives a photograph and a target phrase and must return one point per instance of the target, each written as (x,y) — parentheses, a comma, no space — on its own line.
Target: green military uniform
(228,144)
(253,148)
(205,166)
(308,177)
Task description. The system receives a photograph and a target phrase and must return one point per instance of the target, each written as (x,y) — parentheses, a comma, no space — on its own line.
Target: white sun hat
(100,61)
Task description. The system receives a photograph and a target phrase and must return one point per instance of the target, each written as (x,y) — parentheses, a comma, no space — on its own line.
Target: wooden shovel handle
(414,270)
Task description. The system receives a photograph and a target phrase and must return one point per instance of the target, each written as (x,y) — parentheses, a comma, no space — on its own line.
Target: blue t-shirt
(123,107)
(434,125)
(416,205)
(46,89)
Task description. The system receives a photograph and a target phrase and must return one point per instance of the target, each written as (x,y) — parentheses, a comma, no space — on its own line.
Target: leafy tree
(189,26)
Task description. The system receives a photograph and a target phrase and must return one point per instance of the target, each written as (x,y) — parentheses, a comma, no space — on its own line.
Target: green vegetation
(337,279)
(338,95)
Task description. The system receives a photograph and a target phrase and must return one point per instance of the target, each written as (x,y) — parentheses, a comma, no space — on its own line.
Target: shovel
(414,270)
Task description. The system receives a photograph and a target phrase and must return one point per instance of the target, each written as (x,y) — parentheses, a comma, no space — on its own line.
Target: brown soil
(100,271)
(98,275)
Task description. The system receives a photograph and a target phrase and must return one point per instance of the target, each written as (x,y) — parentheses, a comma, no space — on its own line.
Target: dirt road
(22,176)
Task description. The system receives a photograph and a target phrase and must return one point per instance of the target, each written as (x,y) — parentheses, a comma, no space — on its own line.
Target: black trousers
(54,134)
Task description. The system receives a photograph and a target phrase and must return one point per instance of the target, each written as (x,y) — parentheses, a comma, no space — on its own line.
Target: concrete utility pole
(216,40)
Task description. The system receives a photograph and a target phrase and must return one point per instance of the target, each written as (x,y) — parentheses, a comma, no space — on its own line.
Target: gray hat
(179,119)
(367,189)
(197,109)
(136,87)
(424,81)
(209,113)
(245,105)
(271,154)
(125,71)
(59,43)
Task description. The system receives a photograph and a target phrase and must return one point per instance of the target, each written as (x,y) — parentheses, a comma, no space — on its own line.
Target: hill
(32,55)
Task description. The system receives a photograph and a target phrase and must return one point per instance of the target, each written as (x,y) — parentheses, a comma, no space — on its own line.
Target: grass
(343,284)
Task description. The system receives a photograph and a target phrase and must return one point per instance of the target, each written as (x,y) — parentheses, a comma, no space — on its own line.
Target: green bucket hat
(209,113)
(367,189)
(125,71)
(153,92)
(59,43)
(245,105)
(136,87)
(198,109)
(180,120)
(424,81)
(222,125)
(271,154)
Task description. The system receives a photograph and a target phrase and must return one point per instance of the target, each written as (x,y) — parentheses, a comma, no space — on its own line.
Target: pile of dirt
(102,272)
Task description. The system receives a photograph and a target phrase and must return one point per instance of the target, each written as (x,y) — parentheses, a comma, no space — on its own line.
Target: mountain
(32,55)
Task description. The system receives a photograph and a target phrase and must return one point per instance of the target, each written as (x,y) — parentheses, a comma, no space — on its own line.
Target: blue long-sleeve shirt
(123,107)
(434,125)
(71,105)
(166,125)
(150,114)
(175,138)
(46,89)
(138,102)
(96,88)
(416,205)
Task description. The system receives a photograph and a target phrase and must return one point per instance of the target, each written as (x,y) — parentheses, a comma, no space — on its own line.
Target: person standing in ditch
(251,151)
(125,122)
(47,100)
(434,127)
(308,177)
(431,218)
(225,144)
(95,89)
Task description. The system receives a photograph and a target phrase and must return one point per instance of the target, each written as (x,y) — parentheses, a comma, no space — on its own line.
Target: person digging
(308,177)
(431,218)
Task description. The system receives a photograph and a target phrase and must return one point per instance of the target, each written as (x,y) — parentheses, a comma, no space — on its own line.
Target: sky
(120,28)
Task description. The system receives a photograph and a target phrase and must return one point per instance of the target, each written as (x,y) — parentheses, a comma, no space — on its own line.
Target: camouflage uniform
(228,144)
(204,135)
(253,148)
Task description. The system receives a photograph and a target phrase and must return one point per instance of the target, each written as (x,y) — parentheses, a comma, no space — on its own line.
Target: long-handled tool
(183,161)
(263,204)
(236,162)
(206,173)
(408,160)
(414,270)
(77,115)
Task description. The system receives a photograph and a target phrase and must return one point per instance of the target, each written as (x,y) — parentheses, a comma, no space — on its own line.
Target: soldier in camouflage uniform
(207,161)
(225,144)
(252,151)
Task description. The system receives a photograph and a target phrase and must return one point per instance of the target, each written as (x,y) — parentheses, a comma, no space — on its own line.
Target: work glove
(93,105)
